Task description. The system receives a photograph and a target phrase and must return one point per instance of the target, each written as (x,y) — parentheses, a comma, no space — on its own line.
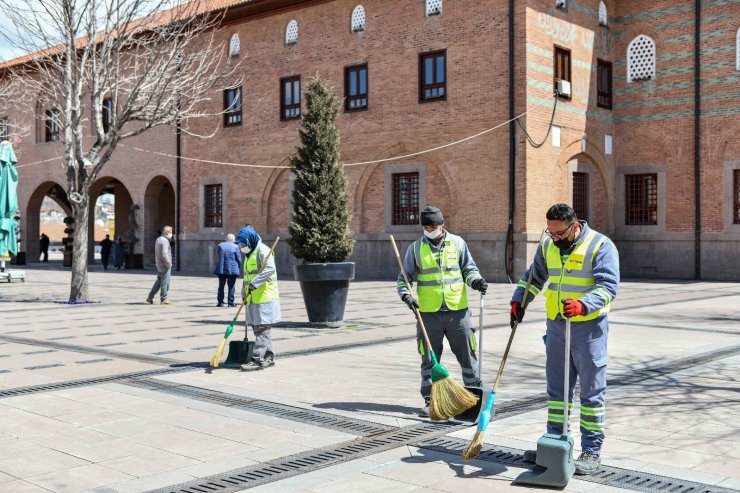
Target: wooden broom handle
(525,298)
(408,286)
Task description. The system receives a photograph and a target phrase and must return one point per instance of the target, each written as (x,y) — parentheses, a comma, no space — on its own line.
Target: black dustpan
(472,414)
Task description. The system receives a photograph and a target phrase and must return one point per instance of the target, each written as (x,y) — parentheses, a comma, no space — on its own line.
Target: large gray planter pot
(324,288)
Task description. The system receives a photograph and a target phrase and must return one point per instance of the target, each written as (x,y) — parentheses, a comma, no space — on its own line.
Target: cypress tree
(319,230)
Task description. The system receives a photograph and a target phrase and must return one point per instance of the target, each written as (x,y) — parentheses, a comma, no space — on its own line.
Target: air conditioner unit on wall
(563,88)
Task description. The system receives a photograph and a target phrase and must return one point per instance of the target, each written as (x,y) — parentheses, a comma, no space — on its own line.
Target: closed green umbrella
(8,200)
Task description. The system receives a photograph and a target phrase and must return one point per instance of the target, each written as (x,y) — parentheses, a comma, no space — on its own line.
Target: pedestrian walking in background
(105,247)
(442,266)
(163,259)
(228,268)
(263,298)
(582,266)
(118,253)
(44,245)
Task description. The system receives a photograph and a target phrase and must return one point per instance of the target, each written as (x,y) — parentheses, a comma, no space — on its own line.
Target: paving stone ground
(111,435)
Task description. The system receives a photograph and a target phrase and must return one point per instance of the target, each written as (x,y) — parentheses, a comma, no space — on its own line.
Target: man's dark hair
(561,212)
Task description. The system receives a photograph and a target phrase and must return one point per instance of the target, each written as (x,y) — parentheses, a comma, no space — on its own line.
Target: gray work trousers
(162,284)
(458,329)
(262,343)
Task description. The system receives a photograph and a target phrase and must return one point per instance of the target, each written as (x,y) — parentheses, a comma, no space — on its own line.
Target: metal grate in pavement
(274,409)
(294,465)
(609,476)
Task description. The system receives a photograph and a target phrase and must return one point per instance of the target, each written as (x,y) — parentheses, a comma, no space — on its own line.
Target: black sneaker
(232,304)
(530,456)
(220,304)
(424,411)
(588,464)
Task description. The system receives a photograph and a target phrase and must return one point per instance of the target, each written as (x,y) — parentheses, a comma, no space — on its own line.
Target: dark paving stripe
(89,361)
(41,367)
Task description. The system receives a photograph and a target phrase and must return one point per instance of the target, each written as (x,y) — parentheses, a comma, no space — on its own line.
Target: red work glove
(517,314)
(573,308)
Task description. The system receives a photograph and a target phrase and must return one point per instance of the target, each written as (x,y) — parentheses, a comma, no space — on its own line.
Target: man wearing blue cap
(263,301)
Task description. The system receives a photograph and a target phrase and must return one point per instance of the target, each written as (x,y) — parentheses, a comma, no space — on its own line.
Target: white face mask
(245,250)
(168,236)
(433,235)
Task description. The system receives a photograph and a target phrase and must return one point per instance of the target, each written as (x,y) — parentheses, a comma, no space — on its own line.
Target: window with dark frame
(355,88)
(107,114)
(53,129)
(604,84)
(405,198)
(433,76)
(233,106)
(641,201)
(213,201)
(580,195)
(290,98)
(4,129)
(562,67)
(736,196)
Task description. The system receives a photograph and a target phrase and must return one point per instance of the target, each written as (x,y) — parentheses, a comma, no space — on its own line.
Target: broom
(476,444)
(216,359)
(449,398)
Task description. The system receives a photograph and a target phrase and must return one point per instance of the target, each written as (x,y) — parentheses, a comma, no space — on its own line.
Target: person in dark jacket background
(105,248)
(228,268)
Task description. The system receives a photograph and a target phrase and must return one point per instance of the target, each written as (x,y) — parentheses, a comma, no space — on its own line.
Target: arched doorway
(111,209)
(48,219)
(159,204)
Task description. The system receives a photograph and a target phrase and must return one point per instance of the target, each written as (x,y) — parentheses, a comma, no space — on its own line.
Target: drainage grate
(609,476)
(274,409)
(294,465)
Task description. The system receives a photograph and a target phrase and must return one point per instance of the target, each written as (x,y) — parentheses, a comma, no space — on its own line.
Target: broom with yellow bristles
(476,444)
(448,398)
(216,359)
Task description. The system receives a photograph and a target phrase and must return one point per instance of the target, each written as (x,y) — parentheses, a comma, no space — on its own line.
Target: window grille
(405,198)
(603,15)
(642,199)
(4,130)
(736,197)
(358,19)
(432,76)
(434,7)
(290,98)
(233,106)
(355,88)
(107,114)
(53,127)
(641,59)
(580,195)
(291,33)
(234,45)
(604,84)
(213,205)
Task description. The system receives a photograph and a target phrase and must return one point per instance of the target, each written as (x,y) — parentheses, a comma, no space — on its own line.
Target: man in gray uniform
(442,266)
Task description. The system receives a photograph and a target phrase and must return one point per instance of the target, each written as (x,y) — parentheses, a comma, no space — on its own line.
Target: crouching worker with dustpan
(582,267)
(442,266)
(260,289)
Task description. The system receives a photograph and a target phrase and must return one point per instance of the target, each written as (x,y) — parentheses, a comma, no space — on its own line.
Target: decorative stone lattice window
(641,59)
(737,50)
(434,7)
(603,15)
(234,45)
(291,33)
(358,19)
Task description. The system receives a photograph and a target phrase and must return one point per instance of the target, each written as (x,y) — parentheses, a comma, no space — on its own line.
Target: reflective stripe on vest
(574,278)
(437,282)
(269,290)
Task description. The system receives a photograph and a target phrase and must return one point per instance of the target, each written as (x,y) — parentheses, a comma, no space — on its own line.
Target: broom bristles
(217,355)
(448,399)
(473,449)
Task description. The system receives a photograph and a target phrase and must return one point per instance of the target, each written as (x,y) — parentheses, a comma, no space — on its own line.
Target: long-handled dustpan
(240,352)
(473,414)
(555,464)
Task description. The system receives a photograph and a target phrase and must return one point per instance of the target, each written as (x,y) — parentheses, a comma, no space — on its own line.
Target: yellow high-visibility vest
(269,290)
(438,282)
(574,278)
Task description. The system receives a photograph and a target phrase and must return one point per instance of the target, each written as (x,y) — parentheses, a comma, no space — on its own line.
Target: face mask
(245,250)
(433,235)
(563,243)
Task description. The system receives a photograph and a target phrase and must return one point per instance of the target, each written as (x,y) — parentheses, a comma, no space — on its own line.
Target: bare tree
(137,63)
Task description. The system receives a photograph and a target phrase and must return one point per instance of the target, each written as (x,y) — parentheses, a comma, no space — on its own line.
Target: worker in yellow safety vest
(582,266)
(442,267)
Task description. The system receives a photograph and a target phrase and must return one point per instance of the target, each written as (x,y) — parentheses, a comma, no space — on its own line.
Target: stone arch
(632,31)
(659,141)
(30,237)
(276,214)
(124,202)
(602,187)
(159,211)
(727,139)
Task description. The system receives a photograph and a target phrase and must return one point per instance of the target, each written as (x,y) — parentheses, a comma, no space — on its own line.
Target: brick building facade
(621,148)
